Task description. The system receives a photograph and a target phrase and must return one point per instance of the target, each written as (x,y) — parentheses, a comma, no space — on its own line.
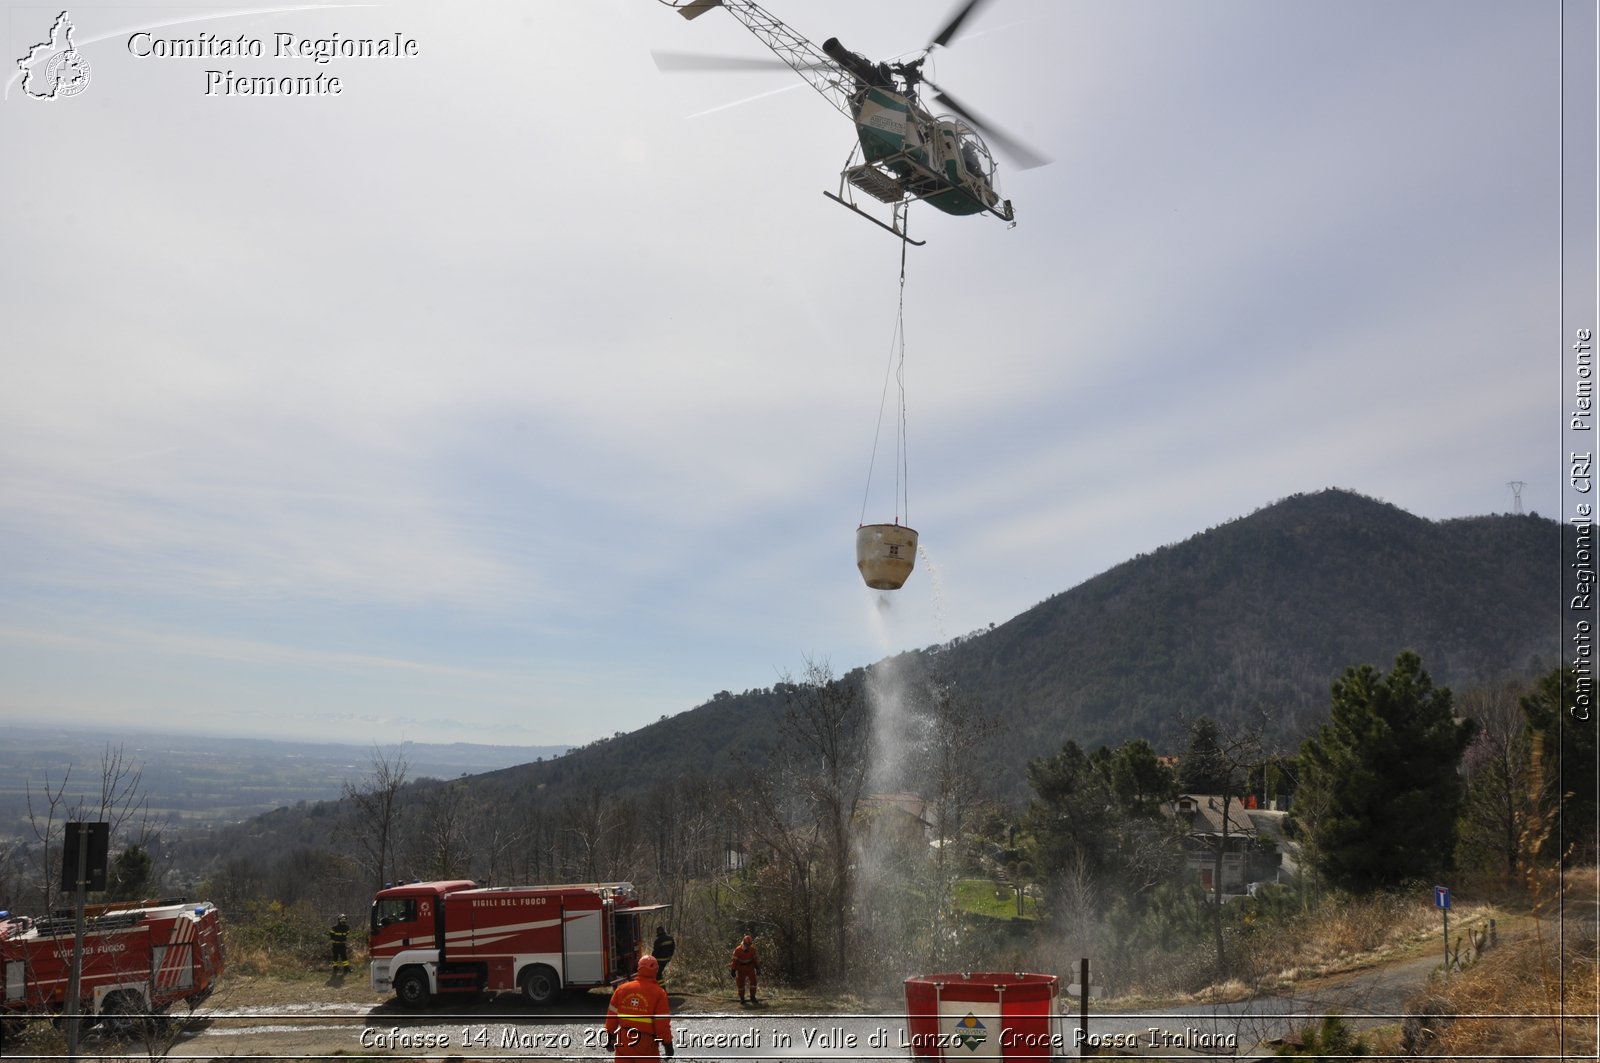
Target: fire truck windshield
(393,910)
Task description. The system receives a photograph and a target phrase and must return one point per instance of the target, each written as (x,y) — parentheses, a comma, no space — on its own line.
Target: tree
(826,721)
(1386,766)
(1139,781)
(958,734)
(375,814)
(439,837)
(1202,769)
(799,804)
(121,802)
(1219,762)
(1495,809)
(1566,746)
(1071,815)
(597,835)
(1330,1040)
(129,876)
(1096,822)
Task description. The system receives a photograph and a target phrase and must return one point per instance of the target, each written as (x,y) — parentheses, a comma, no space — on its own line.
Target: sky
(524,393)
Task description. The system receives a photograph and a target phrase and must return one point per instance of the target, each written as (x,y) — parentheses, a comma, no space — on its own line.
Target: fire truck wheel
(540,984)
(411,988)
(119,1014)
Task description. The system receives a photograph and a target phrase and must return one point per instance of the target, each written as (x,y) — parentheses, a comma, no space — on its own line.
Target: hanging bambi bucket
(885,554)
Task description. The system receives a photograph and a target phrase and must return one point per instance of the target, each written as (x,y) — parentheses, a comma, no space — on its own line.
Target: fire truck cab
(433,938)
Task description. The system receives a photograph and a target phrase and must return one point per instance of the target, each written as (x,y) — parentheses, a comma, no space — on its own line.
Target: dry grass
(254,960)
(1346,934)
(1536,996)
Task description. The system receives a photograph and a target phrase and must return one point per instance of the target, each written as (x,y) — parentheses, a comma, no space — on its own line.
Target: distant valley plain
(200,781)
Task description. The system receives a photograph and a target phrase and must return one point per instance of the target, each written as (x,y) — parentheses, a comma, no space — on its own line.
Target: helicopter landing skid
(880,224)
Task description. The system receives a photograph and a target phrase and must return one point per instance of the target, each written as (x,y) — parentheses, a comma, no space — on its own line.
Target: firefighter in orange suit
(639,1017)
(745,965)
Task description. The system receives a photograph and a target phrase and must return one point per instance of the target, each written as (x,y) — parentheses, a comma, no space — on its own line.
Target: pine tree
(1331,1040)
(130,874)
(1203,769)
(1384,777)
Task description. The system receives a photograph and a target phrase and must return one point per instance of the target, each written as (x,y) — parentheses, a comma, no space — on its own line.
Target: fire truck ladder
(57,925)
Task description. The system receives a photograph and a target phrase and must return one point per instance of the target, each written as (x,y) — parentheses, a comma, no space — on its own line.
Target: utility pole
(1516,496)
(84,848)
(1441,901)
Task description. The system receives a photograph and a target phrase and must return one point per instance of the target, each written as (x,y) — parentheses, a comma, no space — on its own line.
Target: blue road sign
(1441,897)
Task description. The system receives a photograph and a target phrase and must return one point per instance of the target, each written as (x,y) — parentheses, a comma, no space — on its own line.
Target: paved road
(503,1026)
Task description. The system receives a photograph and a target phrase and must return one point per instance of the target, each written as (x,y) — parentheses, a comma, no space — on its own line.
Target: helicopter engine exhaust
(863,68)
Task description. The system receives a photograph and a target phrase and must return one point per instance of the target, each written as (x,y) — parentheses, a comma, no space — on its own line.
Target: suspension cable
(897,370)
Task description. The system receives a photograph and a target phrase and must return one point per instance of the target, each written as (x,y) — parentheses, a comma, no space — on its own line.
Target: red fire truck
(433,938)
(138,958)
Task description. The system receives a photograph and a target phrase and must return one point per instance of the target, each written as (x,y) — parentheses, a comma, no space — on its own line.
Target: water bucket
(986,1014)
(885,554)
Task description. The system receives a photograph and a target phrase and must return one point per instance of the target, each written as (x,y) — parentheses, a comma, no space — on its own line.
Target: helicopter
(905,153)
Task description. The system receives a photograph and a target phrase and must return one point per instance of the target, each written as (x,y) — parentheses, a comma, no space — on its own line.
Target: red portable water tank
(984,1014)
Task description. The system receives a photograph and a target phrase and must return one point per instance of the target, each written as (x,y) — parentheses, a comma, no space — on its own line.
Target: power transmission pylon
(1516,495)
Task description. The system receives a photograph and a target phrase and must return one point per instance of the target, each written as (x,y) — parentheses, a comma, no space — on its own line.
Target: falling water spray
(889,907)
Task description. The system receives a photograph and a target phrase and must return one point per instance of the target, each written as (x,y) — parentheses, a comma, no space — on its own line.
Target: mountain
(1260,614)
(1263,613)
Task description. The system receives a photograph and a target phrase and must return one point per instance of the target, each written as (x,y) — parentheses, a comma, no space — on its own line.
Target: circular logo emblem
(67,73)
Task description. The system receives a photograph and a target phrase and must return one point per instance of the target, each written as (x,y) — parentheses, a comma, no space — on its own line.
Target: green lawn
(998,901)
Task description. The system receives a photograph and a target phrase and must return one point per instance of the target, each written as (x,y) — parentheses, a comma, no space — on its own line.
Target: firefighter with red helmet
(639,1017)
(746,966)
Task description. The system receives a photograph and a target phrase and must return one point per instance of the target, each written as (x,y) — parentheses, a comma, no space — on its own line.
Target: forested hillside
(1262,614)
(1259,615)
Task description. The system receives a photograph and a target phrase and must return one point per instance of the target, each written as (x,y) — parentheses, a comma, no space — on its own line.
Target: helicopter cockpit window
(975,156)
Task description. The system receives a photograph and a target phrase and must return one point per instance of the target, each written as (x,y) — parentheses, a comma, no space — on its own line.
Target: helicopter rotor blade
(694,62)
(953,27)
(1024,157)
(704,62)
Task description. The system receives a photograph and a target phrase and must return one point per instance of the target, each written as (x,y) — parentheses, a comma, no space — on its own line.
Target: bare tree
(439,845)
(684,839)
(498,837)
(957,733)
(825,725)
(1496,764)
(597,835)
(375,807)
(120,801)
(798,806)
(780,890)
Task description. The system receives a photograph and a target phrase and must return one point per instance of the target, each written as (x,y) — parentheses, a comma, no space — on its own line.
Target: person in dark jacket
(339,939)
(662,950)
